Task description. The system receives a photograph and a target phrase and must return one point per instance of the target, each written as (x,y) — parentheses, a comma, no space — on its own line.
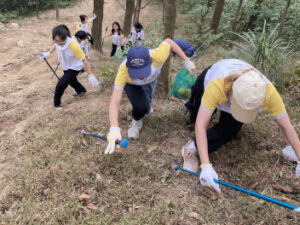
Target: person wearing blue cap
(186,47)
(137,75)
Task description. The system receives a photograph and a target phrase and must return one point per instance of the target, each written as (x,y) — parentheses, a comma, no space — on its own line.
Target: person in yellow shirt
(240,92)
(72,59)
(137,75)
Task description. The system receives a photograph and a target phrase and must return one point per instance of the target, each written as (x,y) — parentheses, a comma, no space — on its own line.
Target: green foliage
(107,71)
(13,9)
(264,51)
(199,14)
(297,70)
(121,55)
(155,36)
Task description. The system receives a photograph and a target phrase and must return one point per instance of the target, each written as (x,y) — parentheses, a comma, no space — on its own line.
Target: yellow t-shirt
(158,57)
(214,95)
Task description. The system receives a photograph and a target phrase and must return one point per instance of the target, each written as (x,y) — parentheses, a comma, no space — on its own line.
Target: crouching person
(240,92)
(137,75)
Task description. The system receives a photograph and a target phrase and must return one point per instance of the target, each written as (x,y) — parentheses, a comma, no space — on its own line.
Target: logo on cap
(137,62)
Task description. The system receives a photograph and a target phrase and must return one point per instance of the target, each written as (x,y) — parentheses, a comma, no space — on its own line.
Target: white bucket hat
(248,94)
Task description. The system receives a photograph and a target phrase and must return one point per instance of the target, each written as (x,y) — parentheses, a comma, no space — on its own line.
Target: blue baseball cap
(186,47)
(138,62)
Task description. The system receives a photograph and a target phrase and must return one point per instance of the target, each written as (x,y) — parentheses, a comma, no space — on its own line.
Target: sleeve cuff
(206,109)
(167,44)
(280,116)
(118,87)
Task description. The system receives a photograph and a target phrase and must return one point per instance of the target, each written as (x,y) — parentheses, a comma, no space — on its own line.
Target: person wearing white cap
(137,75)
(240,92)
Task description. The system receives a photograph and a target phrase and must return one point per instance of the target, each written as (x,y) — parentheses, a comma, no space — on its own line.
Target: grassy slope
(54,165)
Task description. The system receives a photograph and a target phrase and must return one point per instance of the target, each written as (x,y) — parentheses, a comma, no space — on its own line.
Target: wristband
(205,164)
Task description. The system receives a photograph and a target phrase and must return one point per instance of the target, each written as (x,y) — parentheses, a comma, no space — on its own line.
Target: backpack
(90,38)
(194,103)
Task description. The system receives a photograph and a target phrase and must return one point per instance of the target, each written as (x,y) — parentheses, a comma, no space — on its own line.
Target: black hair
(82,35)
(82,17)
(138,26)
(61,31)
(119,28)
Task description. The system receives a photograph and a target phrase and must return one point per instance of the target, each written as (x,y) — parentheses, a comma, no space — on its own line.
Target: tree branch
(148,3)
(123,7)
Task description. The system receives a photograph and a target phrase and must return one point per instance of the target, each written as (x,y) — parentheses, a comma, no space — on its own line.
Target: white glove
(113,135)
(189,65)
(207,176)
(44,54)
(93,81)
(289,153)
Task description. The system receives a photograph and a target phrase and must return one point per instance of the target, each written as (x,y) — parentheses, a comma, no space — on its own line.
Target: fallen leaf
(151,148)
(285,189)
(91,206)
(84,198)
(196,216)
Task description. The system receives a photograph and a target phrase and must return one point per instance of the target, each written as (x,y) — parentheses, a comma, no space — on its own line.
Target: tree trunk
(136,17)
(217,15)
(288,2)
(97,24)
(169,20)
(37,8)
(234,23)
(128,17)
(253,18)
(56,9)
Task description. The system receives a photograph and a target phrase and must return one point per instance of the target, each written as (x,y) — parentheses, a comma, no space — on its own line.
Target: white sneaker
(289,153)
(150,111)
(190,157)
(134,128)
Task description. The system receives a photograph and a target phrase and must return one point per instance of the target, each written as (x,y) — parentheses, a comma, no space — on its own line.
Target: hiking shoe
(289,153)
(190,157)
(79,94)
(134,128)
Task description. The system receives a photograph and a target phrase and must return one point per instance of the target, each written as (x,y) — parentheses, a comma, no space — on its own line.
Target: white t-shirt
(70,55)
(116,38)
(85,27)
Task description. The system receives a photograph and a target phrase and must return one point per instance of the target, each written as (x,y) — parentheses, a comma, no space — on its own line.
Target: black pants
(224,130)
(69,78)
(140,98)
(114,49)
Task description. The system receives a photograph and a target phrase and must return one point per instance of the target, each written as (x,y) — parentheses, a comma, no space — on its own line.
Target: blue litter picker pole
(123,143)
(249,192)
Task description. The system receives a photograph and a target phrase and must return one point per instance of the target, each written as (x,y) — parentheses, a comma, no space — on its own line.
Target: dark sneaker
(79,94)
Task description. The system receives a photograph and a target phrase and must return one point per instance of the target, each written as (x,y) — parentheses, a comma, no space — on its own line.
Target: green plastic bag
(182,87)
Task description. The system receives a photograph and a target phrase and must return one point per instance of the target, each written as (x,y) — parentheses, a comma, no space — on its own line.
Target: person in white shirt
(82,37)
(84,22)
(117,38)
(137,35)
(72,59)
(83,26)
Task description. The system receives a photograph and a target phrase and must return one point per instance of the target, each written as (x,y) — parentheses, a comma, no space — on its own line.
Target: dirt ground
(50,174)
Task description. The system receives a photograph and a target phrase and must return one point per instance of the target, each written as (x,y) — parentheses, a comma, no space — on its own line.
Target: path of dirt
(26,87)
